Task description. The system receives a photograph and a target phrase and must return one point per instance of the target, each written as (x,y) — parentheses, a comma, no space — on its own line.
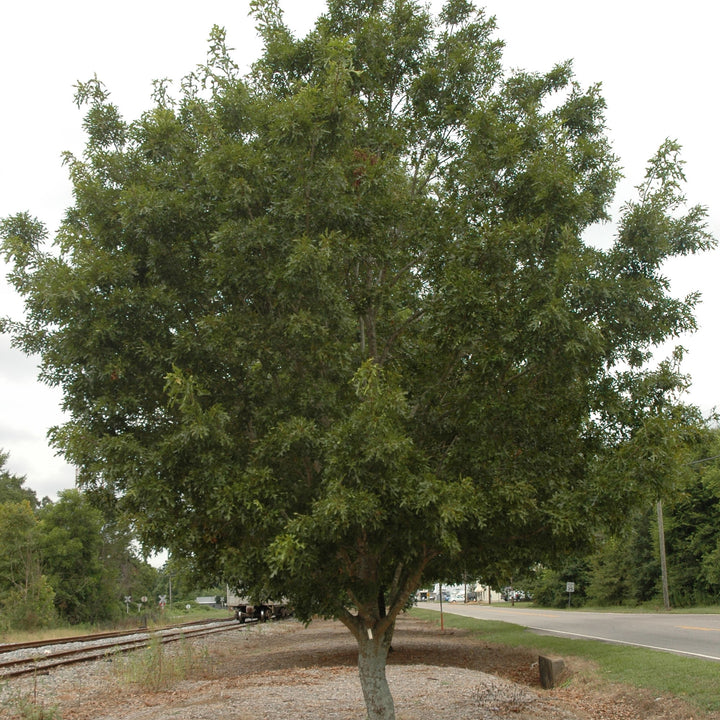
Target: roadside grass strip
(694,680)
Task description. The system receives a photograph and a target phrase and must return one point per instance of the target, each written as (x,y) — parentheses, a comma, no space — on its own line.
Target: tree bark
(372,659)
(373,628)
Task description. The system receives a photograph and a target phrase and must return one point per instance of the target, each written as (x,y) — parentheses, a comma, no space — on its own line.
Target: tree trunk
(372,658)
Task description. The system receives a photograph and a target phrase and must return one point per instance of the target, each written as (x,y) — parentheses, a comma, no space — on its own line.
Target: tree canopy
(26,598)
(65,560)
(76,560)
(11,485)
(334,327)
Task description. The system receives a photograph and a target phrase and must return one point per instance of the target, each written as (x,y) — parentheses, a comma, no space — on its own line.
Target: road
(691,635)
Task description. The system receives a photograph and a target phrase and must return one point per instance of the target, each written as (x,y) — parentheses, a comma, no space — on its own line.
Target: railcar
(245,610)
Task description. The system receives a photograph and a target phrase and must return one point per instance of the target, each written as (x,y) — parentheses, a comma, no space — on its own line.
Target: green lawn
(694,680)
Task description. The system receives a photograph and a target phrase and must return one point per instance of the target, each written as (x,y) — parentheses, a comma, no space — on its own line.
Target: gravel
(283,670)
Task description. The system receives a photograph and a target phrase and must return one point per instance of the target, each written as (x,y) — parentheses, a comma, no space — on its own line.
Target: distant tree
(26,598)
(609,575)
(672,444)
(644,583)
(76,562)
(334,328)
(11,486)
(125,568)
(693,539)
(548,585)
(185,578)
(625,569)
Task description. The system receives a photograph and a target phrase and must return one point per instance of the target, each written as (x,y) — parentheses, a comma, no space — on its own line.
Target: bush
(548,586)
(28,608)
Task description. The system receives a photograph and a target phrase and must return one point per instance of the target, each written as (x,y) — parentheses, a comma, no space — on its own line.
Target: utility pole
(663,558)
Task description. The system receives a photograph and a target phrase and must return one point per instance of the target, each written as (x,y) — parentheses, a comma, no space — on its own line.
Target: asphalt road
(684,634)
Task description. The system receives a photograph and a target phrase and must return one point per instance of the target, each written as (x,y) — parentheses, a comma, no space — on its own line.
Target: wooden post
(663,558)
(442,619)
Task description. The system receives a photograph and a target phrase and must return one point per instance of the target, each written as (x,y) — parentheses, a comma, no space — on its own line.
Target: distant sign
(570,587)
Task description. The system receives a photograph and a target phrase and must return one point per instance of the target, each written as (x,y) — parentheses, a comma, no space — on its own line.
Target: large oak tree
(333,328)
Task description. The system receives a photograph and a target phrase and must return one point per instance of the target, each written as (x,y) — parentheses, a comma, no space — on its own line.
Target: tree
(692,529)
(625,567)
(333,328)
(125,572)
(11,486)
(76,561)
(26,598)
(548,586)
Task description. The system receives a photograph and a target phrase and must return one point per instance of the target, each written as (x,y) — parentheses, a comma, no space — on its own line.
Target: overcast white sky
(658,62)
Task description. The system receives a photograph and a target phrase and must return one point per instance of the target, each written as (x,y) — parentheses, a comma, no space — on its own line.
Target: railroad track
(39,657)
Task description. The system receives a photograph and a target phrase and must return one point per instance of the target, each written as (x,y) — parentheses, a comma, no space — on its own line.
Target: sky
(657,62)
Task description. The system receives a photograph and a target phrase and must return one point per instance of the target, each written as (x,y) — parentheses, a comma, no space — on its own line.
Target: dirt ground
(282,670)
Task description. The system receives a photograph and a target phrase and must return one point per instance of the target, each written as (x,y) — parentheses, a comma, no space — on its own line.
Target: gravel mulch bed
(282,670)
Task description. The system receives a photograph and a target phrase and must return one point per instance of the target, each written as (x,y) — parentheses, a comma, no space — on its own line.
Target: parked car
(511,595)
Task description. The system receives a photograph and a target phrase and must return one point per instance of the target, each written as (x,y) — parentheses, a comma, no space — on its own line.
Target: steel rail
(42,664)
(12,647)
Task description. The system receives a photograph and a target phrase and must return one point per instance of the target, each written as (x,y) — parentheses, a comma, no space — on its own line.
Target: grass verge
(695,681)
(158,667)
(150,620)
(648,608)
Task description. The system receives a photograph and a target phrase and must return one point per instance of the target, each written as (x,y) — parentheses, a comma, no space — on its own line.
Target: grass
(177,613)
(29,707)
(692,679)
(29,710)
(159,667)
(154,669)
(646,608)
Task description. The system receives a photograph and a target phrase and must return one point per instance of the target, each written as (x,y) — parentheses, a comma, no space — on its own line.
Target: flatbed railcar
(245,610)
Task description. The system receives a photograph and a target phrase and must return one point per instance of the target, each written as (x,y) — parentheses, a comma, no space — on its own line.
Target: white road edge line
(624,642)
